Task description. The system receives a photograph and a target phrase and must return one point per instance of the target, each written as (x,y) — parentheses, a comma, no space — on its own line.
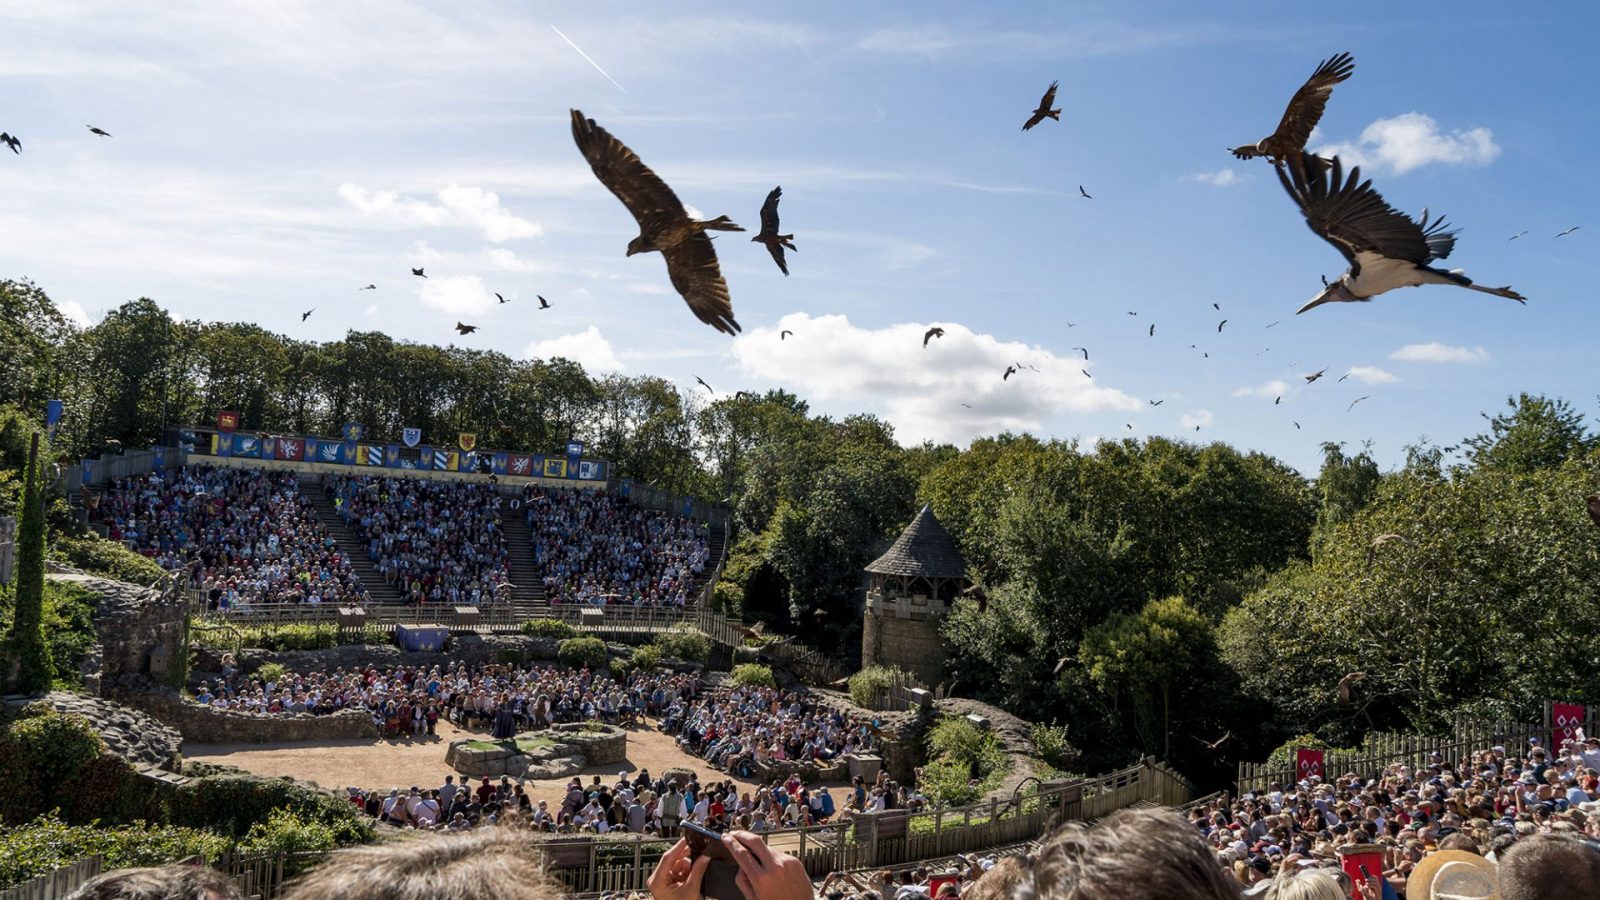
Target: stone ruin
(560,751)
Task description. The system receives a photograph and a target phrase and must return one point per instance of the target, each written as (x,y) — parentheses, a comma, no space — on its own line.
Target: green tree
(29,654)
(1346,483)
(1147,656)
(1535,433)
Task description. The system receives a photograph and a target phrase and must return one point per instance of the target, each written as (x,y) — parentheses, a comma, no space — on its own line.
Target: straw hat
(1453,875)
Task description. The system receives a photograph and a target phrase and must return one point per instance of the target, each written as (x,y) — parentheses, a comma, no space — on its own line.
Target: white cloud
(1372,375)
(75,313)
(1220,178)
(458,205)
(1435,352)
(510,262)
(1277,387)
(588,348)
(371,310)
(1412,140)
(949,391)
(457,295)
(1199,418)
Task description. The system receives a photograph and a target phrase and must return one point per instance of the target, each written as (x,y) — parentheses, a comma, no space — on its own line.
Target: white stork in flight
(1386,248)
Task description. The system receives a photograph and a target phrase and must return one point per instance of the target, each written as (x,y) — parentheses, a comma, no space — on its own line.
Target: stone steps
(378,590)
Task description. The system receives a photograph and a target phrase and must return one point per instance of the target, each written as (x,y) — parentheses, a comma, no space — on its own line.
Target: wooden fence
(57,884)
(904,692)
(1382,749)
(891,838)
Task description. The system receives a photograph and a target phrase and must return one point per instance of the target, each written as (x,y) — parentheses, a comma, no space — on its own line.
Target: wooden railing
(58,884)
(891,838)
(1382,749)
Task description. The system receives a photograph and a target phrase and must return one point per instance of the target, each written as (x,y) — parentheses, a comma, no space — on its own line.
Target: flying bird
(1216,306)
(1594,507)
(1044,109)
(1345,683)
(784,334)
(1296,426)
(1212,745)
(931,333)
(307,314)
(1519,234)
(769,231)
(1380,540)
(664,224)
(1301,116)
(1084,351)
(370,287)
(1277,400)
(1569,231)
(1343,377)
(1010,371)
(94,130)
(1132,313)
(1086,373)
(543,303)
(1272,325)
(967,405)
(1386,248)
(1157,402)
(465,329)
(418,273)
(743,395)
(501,297)
(1152,330)
(703,383)
(1220,324)
(1315,375)
(1357,400)
(1130,427)
(1083,193)
(14,143)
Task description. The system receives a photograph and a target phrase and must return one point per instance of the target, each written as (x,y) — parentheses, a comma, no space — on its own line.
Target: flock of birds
(1384,248)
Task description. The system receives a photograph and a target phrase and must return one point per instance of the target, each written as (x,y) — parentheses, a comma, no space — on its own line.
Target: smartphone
(719,882)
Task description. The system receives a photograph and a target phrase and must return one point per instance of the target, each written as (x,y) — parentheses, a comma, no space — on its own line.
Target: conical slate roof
(924,549)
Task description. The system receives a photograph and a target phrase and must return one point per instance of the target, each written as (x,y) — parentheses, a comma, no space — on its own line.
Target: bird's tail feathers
(788,241)
(1054,114)
(720,223)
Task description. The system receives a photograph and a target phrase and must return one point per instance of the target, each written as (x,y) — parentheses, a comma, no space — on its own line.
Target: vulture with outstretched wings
(769,231)
(1044,109)
(664,224)
(1304,110)
(1386,248)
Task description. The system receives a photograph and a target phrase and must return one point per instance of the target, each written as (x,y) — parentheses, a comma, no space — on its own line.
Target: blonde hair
(1308,884)
(493,864)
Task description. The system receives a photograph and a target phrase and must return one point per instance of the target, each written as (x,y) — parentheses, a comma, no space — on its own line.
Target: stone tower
(911,589)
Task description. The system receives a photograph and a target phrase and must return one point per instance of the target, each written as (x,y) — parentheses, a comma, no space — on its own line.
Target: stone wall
(128,733)
(913,644)
(138,628)
(605,747)
(809,772)
(531,755)
(204,724)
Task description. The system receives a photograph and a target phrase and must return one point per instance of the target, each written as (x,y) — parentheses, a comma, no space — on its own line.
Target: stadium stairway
(527,598)
(378,590)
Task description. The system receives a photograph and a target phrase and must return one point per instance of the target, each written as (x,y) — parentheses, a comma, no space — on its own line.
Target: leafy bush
(47,843)
(288,636)
(549,628)
(962,752)
(272,672)
(234,804)
(69,633)
(867,684)
(754,674)
(686,643)
(1282,758)
(646,658)
(947,782)
(1052,745)
(109,559)
(285,832)
(583,652)
(55,761)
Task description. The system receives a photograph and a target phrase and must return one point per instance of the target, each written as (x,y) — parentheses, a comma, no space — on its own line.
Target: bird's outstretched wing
(641,190)
(1306,106)
(1350,215)
(1049,95)
(1044,107)
(776,249)
(692,266)
(769,213)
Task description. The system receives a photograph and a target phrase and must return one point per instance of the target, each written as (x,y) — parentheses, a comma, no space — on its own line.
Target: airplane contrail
(586,57)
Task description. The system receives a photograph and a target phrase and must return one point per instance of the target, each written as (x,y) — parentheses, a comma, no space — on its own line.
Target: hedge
(583,652)
(754,674)
(684,642)
(867,684)
(550,628)
(108,559)
(647,658)
(47,843)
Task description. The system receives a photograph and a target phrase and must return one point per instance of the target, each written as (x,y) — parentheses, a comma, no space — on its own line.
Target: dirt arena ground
(384,764)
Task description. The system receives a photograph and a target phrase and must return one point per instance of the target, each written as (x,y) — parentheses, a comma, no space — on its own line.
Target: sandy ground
(401,763)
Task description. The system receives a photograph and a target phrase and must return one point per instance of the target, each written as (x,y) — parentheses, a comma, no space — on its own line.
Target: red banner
(291,448)
(227,421)
(1308,762)
(1565,720)
(521,464)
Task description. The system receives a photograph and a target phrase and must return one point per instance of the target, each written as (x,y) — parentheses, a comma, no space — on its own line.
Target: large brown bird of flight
(1304,110)
(769,231)
(664,225)
(1045,110)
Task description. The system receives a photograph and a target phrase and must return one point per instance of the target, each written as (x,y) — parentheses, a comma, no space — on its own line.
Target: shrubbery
(272,672)
(686,643)
(109,559)
(68,626)
(235,805)
(646,658)
(46,843)
(583,652)
(549,628)
(1052,745)
(288,636)
(754,674)
(966,762)
(867,684)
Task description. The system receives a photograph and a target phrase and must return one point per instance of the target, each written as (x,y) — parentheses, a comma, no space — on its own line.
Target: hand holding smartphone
(719,882)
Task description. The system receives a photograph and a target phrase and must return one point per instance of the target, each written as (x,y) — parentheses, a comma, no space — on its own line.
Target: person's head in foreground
(479,865)
(1550,867)
(1309,884)
(1145,854)
(176,882)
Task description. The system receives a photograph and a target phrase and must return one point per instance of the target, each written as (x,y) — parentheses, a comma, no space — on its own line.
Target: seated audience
(595,548)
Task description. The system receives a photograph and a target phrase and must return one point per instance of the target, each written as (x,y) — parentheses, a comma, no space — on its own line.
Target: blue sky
(269,158)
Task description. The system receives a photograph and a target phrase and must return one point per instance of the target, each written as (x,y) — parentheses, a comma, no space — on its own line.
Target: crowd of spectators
(435,541)
(246,537)
(746,726)
(595,548)
(1482,805)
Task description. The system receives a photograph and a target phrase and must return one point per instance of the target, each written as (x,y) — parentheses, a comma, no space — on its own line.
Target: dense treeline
(1152,596)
